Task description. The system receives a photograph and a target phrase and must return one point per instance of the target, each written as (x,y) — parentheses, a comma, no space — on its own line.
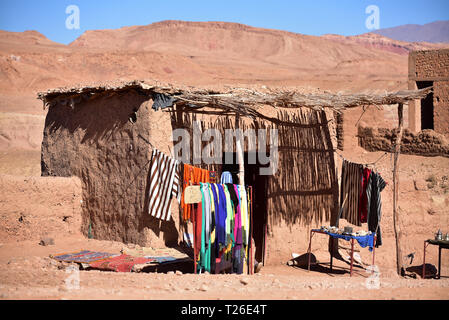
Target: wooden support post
(239,151)
(396,214)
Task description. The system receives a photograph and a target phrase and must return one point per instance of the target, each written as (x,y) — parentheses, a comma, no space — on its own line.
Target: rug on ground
(114,262)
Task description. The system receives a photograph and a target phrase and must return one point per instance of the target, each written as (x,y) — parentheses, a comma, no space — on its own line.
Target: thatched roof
(236,100)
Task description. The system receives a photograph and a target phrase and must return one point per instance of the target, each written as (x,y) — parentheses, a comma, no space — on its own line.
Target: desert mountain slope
(232,43)
(437,31)
(198,53)
(377,41)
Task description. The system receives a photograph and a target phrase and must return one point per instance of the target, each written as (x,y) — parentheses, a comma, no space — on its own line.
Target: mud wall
(425,143)
(430,66)
(96,141)
(441,107)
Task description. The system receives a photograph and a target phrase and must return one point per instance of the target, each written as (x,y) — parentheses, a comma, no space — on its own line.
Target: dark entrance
(426,106)
(260,210)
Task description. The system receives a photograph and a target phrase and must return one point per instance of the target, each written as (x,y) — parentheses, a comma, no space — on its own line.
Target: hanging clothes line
(169,178)
(223,229)
(364,164)
(361,187)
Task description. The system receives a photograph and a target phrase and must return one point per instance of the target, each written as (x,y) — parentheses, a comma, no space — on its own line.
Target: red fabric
(198,216)
(363,204)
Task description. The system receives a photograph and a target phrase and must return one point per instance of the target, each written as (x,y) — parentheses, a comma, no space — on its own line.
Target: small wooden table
(309,251)
(442,244)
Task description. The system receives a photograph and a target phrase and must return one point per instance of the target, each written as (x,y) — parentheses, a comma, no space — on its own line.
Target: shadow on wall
(305,188)
(96,122)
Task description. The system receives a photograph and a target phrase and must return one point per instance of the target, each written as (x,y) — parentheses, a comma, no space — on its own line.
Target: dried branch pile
(249,99)
(240,100)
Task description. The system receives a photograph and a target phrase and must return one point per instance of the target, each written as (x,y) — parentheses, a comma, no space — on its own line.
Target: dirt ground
(26,272)
(33,207)
(36,207)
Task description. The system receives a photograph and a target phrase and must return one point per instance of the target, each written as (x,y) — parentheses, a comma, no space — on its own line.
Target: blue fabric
(84,256)
(165,259)
(364,241)
(216,205)
(220,224)
(226,177)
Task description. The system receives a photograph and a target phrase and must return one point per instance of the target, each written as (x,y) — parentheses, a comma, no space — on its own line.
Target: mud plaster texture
(426,143)
(97,142)
(431,66)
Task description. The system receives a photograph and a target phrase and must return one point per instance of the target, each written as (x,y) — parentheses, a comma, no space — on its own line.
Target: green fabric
(205,251)
(201,263)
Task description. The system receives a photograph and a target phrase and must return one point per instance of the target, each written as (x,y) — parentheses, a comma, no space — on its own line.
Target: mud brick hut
(426,69)
(427,128)
(104,134)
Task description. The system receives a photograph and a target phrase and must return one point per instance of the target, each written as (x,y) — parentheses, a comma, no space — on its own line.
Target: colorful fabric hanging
(222,228)
(192,176)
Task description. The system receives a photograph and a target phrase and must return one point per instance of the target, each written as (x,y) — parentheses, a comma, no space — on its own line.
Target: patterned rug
(84,256)
(116,262)
(121,263)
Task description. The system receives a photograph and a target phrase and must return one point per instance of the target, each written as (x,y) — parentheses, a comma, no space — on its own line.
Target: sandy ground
(26,272)
(32,207)
(35,207)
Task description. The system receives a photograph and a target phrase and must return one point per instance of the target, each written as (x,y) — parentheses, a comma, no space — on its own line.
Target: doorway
(259,184)
(427,121)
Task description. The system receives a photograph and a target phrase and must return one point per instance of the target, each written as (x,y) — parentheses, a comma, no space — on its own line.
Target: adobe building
(104,134)
(429,68)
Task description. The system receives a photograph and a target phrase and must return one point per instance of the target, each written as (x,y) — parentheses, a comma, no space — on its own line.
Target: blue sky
(314,17)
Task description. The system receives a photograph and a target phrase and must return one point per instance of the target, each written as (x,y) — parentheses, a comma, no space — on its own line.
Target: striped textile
(164,183)
(351,175)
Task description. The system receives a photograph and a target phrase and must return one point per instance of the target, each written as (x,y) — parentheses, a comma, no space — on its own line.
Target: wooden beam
(239,152)
(396,214)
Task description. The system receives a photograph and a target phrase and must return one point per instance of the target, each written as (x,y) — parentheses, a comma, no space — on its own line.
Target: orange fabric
(192,176)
